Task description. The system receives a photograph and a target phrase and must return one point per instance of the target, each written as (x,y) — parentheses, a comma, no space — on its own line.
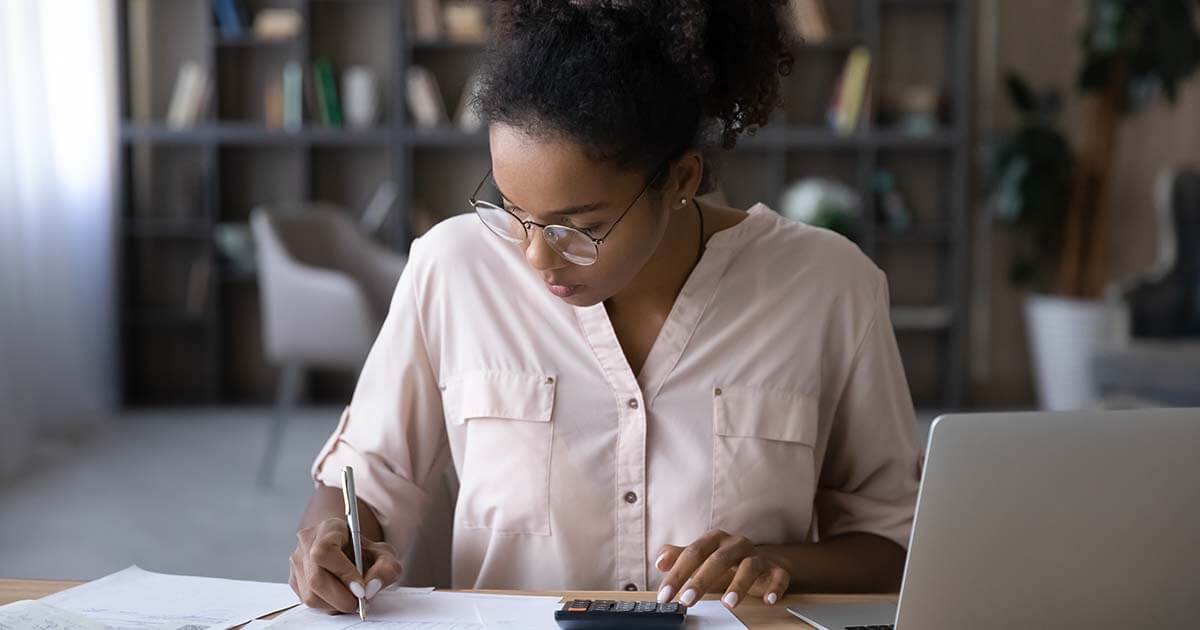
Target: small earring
(682,202)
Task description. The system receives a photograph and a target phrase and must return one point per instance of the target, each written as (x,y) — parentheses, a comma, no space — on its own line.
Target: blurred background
(204,204)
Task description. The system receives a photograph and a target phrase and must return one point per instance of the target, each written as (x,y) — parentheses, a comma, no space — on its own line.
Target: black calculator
(588,614)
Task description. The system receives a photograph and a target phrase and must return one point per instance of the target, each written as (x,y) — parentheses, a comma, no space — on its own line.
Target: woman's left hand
(720,561)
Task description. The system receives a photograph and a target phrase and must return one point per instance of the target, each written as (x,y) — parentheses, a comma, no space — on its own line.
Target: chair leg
(291,379)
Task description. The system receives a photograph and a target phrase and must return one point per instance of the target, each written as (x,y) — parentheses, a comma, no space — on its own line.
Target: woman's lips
(563,291)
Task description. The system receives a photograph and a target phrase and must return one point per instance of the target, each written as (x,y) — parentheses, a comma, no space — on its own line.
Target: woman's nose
(539,254)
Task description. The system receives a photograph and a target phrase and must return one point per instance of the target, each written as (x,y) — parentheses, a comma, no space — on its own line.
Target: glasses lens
(500,222)
(574,246)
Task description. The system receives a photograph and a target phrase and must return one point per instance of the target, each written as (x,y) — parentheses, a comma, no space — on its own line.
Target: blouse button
(549,380)
(633,403)
(631,587)
(631,497)
(717,391)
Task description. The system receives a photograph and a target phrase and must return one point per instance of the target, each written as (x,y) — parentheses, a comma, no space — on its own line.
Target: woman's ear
(687,173)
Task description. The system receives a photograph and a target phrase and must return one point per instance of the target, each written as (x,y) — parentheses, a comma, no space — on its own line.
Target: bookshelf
(189,341)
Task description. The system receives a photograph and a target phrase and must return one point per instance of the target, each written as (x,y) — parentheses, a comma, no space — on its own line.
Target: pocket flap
(769,414)
(508,395)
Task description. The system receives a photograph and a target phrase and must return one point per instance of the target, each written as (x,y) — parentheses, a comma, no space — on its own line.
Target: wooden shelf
(917,318)
(195,170)
(249,40)
(800,137)
(143,228)
(446,45)
(444,137)
(914,235)
(239,133)
(161,319)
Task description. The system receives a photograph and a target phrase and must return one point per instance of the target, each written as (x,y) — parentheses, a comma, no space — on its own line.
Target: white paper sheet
(135,599)
(433,611)
(472,611)
(712,615)
(35,615)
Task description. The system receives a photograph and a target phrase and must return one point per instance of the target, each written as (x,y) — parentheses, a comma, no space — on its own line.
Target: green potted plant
(1057,196)
(1132,51)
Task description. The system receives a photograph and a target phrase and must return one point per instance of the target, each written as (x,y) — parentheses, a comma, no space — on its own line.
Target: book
(277,24)
(846,107)
(425,98)
(229,18)
(312,106)
(273,103)
(427,19)
(189,96)
(465,21)
(293,96)
(326,88)
(810,20)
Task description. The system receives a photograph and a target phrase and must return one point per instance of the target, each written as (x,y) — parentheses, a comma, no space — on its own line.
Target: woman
(638,389)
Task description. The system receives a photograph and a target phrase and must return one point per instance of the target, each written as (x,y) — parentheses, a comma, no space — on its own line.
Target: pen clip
(348,489)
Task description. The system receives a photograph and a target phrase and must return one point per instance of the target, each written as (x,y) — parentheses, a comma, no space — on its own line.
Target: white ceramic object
(1064,334)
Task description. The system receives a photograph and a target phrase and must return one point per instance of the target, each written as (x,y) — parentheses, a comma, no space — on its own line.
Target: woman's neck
(662,277)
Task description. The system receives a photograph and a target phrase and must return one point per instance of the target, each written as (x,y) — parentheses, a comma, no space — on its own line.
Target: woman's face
(540,178)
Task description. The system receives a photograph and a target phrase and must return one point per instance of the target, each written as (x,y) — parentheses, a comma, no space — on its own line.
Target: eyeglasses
(574,245)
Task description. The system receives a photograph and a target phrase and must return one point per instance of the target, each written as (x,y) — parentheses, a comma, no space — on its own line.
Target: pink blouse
(773,404)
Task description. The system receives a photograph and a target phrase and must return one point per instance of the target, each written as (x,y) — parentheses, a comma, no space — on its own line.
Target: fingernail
(664,595)
(772,598)
(373,587)
(658,563)
(730,599)
(357,589)
(688,597)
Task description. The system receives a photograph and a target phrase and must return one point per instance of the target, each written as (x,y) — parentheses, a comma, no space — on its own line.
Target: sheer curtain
(58,335)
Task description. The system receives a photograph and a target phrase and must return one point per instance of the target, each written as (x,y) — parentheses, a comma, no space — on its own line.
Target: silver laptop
(1050,520)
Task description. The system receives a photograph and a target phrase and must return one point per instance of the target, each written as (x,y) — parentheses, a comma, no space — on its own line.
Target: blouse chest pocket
(764,476)
(506,463)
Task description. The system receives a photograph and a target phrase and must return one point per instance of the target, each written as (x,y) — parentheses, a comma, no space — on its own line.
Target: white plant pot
(1064,334)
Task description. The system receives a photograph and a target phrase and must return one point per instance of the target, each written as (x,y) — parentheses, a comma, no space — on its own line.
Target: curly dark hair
(635,82)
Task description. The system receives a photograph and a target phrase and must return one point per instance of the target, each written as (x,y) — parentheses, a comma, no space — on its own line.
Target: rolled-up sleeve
(393,432)
(870,472)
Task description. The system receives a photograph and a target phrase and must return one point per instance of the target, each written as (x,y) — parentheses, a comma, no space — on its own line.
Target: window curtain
(58,332)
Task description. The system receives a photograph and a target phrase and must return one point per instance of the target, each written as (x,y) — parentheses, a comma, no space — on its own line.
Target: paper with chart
(35,615)
(433,611)
(136,599)
(471,611)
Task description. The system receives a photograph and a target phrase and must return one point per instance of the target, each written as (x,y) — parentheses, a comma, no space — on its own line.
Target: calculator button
(625,606)
(644,607)
(669,607)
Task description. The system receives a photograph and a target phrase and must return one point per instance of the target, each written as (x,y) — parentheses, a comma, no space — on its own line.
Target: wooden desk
(753,613)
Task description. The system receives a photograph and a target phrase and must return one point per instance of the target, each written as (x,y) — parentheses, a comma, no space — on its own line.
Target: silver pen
(355,531)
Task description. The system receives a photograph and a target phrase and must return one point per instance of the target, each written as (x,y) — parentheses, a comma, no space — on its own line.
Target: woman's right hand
(323,572)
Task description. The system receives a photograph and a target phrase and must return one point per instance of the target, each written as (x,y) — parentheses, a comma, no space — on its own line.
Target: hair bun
(634,77)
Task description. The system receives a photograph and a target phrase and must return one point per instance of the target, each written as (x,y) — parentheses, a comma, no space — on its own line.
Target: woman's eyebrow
(569,210)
